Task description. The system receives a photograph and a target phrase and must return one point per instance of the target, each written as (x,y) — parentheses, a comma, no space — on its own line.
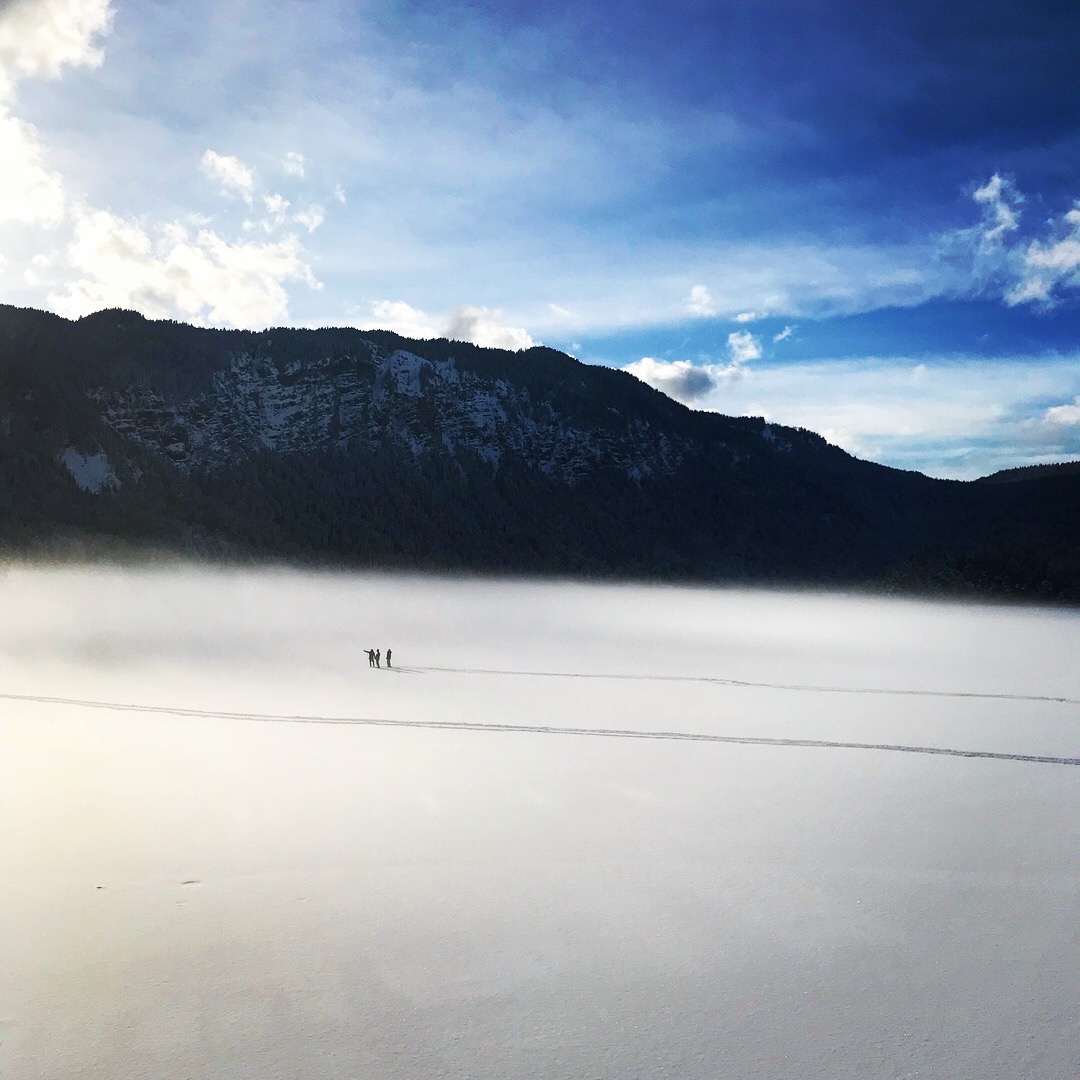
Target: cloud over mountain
(679,379)
(479,325)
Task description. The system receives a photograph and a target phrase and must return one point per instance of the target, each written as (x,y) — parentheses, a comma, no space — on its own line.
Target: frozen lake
(193,894)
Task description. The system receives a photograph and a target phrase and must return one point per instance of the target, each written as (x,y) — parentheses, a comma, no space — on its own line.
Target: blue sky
(858,218)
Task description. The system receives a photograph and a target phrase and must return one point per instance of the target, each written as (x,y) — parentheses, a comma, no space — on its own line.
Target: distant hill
(1032,472)
(364,448)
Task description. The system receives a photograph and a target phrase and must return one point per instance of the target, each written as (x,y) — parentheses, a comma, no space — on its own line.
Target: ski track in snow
(718,681)
(610,733)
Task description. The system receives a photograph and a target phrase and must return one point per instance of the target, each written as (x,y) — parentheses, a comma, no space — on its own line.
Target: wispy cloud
(1050,267)
(280,213)
(1000,202)
(1023,268)
(231,173)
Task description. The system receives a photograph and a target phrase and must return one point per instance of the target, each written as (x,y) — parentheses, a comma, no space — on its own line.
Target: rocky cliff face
(375,398)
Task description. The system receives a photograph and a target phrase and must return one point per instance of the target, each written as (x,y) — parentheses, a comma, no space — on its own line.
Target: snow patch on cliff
(92,472)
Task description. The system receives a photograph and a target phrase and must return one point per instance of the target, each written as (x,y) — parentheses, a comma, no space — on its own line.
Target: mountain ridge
(366,448)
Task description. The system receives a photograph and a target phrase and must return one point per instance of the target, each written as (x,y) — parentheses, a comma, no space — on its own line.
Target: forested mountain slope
(365,448)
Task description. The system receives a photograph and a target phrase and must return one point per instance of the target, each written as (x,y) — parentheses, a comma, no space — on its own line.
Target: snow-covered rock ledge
(92,472)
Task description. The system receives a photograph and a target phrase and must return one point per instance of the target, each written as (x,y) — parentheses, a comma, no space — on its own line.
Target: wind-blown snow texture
(211,895)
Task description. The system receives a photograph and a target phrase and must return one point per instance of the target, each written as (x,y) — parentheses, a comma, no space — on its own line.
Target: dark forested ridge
(368,449)
(1032,472)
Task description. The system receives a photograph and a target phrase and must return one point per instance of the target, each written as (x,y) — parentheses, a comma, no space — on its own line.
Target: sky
(857,218)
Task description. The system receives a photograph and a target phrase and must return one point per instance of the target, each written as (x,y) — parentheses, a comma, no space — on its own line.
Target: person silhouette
(377,654)
(370,657)
(388,657)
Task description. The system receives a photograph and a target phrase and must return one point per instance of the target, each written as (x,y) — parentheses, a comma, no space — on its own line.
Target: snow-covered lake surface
(198,895)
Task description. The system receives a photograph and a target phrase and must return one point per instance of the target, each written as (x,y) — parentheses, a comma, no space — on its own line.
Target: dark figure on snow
(377,655)
(387,657)
(370,657)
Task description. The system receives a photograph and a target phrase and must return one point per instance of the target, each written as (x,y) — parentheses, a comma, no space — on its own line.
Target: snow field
(198,895)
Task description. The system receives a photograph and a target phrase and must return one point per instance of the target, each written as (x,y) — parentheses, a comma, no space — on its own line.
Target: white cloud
(479,325)
(198,275)
(1063,256)
(784,334)
(1064,415)
(689,382)
(679,379)
(1033,271)
(231,173)
(1047,267)
(402,319)
(743,347)
(179,268)
(484,326)
(278,216)
(29,192)
(749,316)
(38,38)
(1001,210)
(311,218)
(700,302)
(293,165)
